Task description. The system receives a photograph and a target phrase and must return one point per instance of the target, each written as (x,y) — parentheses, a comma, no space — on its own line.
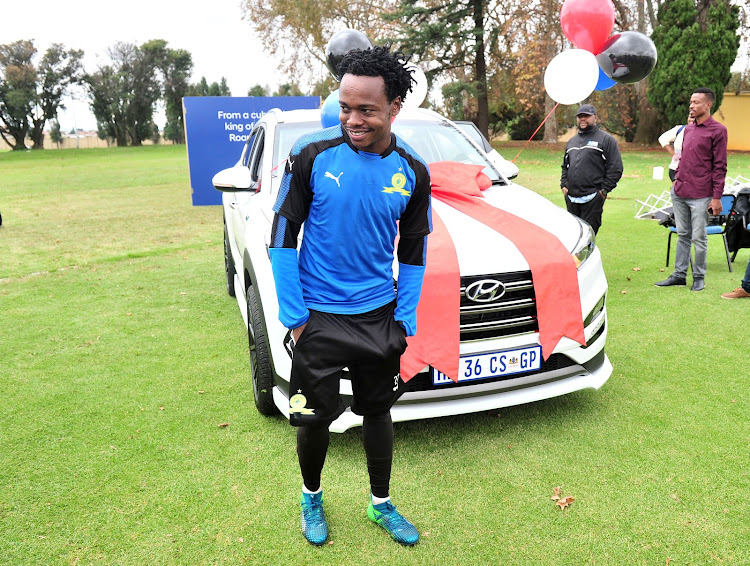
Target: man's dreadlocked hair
(378,61)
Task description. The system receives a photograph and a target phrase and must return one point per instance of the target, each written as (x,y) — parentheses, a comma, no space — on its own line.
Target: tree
(297,31)
(502,98)
(325,86)
(258,90)
(199,89)
(175,67)
(55,135)
(450,33)
(739,82)
(31,95)
(17,91)
(58,71)
(124,94)
(202,88)
(618,110)
(455,98)
(288,90)
(697,45)
(155,135)
(107,104)
(538,37)
(223,88)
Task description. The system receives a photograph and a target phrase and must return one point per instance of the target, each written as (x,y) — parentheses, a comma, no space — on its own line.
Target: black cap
(586,109)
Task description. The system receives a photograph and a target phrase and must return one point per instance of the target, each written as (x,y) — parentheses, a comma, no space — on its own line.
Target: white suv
(506,325)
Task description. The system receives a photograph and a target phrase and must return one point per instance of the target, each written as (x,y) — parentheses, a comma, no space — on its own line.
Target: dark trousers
(590,211)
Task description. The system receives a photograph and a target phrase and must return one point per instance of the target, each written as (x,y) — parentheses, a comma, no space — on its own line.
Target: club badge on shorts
(297,405)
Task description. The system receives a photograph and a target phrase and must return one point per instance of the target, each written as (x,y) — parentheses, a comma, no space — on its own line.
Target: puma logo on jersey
(331,176)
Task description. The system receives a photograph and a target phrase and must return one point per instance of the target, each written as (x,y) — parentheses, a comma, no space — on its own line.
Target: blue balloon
(604,81)
(329,113)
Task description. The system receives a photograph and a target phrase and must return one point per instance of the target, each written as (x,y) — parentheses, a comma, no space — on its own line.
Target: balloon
(340,44)
(329,112)
(415,98)
(587,23)
(627,57)
(571,76)
(604,81)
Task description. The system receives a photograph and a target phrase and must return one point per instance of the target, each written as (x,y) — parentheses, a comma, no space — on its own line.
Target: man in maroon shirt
(697,188)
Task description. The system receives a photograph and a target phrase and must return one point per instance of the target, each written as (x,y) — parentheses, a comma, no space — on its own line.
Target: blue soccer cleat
(313,519)
(400,529)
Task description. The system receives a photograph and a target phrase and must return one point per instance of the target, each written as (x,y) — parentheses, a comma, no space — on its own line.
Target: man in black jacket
(591,168)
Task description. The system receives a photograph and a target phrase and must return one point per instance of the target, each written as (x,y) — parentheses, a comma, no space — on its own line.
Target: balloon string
(279,165)
(535,131)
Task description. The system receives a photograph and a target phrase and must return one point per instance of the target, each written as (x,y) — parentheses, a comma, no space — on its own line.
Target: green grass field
(128,433)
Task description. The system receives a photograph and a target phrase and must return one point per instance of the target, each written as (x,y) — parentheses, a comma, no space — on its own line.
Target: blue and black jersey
(352,205)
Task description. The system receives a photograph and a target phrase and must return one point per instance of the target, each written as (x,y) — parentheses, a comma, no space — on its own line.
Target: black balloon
(340,44)
(627,57)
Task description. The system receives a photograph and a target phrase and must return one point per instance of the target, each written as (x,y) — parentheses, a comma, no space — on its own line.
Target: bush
(521,127)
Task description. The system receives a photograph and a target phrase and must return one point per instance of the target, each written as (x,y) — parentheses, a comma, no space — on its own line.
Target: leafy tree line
(489,56)
(123,93)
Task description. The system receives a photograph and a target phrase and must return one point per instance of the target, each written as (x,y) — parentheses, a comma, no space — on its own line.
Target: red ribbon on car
(553,271)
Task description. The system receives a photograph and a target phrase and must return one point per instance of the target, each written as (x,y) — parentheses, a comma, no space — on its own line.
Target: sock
(379,500)
(305,490)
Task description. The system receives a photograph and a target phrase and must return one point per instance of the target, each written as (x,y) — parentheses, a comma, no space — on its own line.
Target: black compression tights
(377,438)
(312,446)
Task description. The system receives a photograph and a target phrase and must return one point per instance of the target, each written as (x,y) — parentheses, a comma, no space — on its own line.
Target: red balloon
(587,23)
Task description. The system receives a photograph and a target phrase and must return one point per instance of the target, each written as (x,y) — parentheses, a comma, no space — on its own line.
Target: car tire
(260,358)
(229,264)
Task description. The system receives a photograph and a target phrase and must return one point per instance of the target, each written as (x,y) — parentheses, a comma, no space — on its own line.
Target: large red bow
(553,270)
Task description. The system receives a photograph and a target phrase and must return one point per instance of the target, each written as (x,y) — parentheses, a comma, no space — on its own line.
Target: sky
(222,44)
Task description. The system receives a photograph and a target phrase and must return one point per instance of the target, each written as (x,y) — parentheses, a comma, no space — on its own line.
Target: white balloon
(415,98)
(571,76)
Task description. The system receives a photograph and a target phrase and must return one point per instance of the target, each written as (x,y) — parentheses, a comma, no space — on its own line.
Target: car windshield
(433,141)
(473,133)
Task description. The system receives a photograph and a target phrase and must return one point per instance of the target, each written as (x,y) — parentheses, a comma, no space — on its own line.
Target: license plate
(496,364)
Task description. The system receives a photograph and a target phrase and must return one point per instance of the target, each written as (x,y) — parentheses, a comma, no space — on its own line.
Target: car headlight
(585,246)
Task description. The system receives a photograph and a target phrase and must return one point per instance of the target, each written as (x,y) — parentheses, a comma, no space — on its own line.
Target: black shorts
(369,344)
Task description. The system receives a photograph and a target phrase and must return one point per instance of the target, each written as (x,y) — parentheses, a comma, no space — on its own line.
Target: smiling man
(591,168)
(354,187)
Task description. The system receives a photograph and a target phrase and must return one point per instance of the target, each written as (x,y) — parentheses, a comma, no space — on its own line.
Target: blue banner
(216,129)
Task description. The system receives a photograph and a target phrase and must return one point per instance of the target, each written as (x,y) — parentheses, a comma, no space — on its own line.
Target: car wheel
(260,358)
(228,264)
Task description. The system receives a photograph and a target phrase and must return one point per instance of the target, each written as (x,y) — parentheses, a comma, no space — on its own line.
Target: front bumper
(482,397)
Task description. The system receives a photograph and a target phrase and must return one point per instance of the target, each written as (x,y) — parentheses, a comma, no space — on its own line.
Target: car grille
(512,313)
(423,381)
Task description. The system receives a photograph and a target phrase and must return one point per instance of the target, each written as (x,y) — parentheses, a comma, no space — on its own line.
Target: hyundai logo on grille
(485,291)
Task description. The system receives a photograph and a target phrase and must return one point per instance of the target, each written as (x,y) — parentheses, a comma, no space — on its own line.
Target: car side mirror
(237,178)
(507,168)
